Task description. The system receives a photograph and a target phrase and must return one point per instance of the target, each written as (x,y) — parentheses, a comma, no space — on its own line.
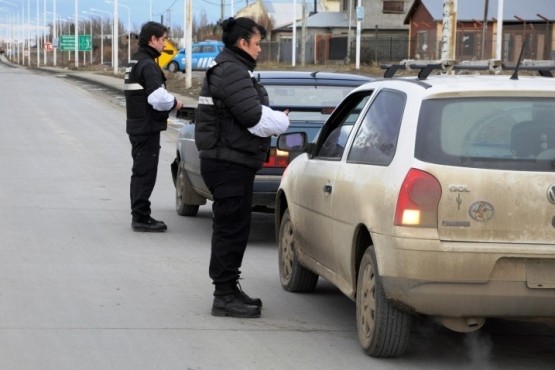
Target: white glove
(272,122)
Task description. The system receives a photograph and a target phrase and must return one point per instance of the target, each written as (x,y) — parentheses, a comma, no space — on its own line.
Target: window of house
(468,43)
(422,41)
(393,6)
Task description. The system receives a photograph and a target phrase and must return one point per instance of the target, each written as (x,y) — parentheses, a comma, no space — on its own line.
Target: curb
(113,82)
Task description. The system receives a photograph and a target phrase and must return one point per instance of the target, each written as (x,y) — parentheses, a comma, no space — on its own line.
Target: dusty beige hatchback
(432,196)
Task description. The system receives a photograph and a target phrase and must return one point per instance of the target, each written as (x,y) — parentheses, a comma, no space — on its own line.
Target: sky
(139,10)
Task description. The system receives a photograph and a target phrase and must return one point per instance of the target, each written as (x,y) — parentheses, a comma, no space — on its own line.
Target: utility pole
(303,35)
(349,37)
(360,18)
(222,11)
(484,28)
(499,39)
(115,39)
(188,29)
(76,33)
(449,32)
(294,38)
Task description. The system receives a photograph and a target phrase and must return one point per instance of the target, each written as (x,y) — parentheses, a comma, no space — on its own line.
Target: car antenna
(515,74)
(313,75)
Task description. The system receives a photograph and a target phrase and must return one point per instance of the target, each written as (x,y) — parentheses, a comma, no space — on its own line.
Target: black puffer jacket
(230,102)
(143,76)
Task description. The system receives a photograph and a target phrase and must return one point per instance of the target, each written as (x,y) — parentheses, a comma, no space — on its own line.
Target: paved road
(80,290)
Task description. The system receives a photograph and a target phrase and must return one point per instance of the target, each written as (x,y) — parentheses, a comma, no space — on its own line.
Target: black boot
(230,300)
(246,299)
(148,224)
(232,306)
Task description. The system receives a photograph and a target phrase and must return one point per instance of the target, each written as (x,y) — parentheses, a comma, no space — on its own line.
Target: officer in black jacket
(232,134)
(148,106)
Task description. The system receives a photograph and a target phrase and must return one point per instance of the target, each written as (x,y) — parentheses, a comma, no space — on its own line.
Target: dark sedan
(310,98)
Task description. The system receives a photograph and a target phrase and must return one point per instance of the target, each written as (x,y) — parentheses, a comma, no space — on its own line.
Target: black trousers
(145,151)
(231,186)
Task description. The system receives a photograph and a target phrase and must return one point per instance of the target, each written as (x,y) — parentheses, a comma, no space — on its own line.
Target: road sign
(67,43)
(48,46)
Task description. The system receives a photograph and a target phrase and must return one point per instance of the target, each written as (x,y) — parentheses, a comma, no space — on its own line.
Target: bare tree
(204,30)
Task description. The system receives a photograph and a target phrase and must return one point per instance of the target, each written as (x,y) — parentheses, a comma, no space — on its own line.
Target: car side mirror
(292,142)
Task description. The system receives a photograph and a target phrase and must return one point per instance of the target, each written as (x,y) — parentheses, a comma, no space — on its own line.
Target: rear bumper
(491,299)
(265,186)
(468,279)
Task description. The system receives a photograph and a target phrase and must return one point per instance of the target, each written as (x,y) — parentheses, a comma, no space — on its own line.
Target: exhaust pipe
(463,324)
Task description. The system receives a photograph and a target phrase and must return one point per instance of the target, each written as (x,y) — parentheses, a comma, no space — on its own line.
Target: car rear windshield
(297,98)
(490,133)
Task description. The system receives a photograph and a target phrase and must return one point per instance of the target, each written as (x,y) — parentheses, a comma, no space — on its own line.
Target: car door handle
(327,188)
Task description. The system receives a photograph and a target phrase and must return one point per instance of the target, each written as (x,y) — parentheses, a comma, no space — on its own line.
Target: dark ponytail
(240,28)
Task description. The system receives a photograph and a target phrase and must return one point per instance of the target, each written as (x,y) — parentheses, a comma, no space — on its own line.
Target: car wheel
(173,67)
(383,330)
(293,276)
(181,207)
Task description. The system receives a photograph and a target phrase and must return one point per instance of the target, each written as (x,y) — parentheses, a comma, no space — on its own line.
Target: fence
(328,49)
(379,49)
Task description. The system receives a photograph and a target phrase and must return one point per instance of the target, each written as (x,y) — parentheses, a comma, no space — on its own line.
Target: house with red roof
(526,25)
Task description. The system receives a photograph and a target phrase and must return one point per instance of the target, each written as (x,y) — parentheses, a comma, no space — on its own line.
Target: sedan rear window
(491,133)
(325,98)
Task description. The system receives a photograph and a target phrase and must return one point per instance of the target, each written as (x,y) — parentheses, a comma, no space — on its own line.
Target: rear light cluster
(277,158)
(418,200)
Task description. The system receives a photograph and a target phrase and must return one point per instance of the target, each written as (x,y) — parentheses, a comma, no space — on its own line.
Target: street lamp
(20,30)
(67,20)
(44,34)
(115,37)
(28,37)
(76,33)
(91,32)
(101,36)
(109,13)
(54,34)
(37,43)
(115,43)
(9,30)
(53,37)
(19,23)
(128,28)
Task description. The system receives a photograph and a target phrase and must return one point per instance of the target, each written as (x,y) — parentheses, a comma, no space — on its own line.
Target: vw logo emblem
(551,194)
(481,211)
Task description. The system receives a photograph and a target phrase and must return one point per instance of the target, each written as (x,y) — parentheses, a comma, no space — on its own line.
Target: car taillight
(418,199)
(277,158)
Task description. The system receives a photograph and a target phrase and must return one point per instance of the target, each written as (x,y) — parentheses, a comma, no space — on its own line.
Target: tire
(383,330)
(173,67)
(293,276)
(189,210)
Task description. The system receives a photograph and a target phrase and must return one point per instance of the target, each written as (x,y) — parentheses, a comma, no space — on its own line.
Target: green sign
(67,43)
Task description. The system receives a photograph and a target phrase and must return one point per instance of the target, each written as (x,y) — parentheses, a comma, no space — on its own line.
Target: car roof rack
(426,67)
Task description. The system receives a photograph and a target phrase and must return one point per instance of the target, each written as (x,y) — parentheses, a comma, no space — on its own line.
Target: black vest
(142,119)
(218,136)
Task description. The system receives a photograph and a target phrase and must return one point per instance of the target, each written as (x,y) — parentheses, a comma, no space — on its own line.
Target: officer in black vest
(148,107)
(232,134)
